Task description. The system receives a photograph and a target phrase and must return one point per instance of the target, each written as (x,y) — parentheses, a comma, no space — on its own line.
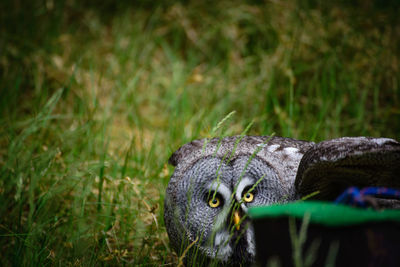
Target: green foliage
(94,97)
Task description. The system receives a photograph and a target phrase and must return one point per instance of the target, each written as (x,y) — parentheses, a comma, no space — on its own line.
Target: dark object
(342,235)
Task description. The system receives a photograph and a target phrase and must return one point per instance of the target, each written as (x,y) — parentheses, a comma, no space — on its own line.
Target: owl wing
(332,166)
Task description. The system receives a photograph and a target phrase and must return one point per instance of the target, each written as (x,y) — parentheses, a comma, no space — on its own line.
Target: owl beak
(236,219)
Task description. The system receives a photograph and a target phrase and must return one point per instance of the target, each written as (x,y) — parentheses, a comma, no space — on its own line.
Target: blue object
(356,197)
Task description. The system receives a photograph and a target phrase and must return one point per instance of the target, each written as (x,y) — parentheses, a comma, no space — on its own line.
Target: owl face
(213,187)
(216,196)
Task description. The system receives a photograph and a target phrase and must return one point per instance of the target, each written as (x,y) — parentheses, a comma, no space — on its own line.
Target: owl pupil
(214,201)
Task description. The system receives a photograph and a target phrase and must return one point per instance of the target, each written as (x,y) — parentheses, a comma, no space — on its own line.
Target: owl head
(214,184)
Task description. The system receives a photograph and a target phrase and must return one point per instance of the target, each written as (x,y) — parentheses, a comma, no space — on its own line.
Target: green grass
(95,97)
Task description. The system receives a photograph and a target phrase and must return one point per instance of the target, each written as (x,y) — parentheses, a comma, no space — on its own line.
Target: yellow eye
(248,197)
(214,202)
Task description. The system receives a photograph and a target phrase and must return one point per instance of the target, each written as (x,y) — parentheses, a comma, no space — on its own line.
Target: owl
(217,180)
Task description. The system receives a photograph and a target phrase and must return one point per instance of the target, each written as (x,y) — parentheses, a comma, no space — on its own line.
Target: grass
(95,97)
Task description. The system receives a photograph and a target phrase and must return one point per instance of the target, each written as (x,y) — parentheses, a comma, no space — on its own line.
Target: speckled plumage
(330,166)
(265,166)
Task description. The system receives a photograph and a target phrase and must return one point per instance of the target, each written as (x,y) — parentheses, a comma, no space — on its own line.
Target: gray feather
(332,166)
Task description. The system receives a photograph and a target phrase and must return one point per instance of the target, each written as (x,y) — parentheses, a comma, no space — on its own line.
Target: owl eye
(214,201)
(248,197)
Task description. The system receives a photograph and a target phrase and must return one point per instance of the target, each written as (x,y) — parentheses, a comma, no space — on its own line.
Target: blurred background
(95,96)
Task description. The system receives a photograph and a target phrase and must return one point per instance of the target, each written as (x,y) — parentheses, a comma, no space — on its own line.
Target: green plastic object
(325,213)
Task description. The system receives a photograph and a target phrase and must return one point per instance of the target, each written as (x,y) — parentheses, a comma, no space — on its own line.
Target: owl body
(217,180)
